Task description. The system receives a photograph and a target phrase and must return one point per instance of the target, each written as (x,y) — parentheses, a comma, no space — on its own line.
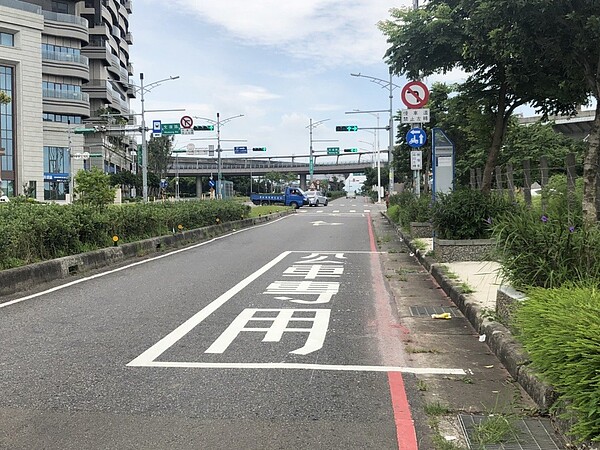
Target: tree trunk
(492,158)
(590,171)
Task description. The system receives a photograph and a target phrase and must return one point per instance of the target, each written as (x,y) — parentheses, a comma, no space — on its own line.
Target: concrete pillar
(303,181)
(199,187)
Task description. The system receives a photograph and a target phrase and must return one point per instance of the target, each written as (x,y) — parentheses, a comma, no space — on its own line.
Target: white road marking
(119,269)
(300,366)
(170,339)
(320,222)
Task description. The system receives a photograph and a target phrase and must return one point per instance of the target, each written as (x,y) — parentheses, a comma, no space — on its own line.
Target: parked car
(316,198)
(4,199)
(351,194)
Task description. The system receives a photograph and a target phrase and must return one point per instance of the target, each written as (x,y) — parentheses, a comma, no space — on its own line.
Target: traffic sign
(187,131)
(190,148)
(415,94)
(164,183)
(171,128)
(415,115)
(239,150)
(156,126)
(179,150)
(416,137)
(186,122)
(416,160)
(333,150)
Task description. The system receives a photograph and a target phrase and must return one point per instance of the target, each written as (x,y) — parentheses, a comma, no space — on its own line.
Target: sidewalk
(499,381)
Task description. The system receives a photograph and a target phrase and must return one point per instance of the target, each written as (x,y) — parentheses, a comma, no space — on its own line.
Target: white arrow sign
(320,222)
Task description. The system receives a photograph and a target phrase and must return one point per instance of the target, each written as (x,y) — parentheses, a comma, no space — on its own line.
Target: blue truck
(292,196)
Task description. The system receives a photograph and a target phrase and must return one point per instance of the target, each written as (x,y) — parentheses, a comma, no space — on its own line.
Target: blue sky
(280,63)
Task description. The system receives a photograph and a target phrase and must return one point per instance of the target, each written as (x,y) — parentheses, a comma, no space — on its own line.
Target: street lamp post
(311,162)
(143,89)
(218,123)
(390,126)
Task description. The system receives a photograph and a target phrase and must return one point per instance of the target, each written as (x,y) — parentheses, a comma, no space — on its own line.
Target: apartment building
(63,64)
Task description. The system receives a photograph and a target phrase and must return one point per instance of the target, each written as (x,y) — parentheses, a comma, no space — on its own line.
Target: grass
(420,245)
(495,429)
(436,409)
(466,288)
(410,349)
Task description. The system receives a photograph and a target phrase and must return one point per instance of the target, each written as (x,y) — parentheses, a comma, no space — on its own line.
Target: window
(60,7)
(7,39)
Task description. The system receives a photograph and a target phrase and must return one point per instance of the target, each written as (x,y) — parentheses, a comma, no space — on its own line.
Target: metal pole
(391,137)
(144,145)
(310,159)
(176,176)
(71,181)
(219,187)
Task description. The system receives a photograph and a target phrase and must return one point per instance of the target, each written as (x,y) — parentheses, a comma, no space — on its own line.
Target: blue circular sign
(416,137)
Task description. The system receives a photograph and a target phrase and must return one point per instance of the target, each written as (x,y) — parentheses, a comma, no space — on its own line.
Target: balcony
(62,64)
(128,4)
(66,25)
(66,102)
(129,37)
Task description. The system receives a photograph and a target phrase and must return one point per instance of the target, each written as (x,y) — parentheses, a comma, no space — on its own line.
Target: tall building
(63,64)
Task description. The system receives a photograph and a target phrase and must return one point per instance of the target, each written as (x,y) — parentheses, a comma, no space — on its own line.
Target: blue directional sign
(238,150)
(156,126)
(164,183)
(416,137)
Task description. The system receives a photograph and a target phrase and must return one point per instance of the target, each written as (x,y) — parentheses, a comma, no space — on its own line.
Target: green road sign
(350,150)
(311,165)
(333,150)
(84,130)
(346,128)
(96,155)
(170,128)
(179,150)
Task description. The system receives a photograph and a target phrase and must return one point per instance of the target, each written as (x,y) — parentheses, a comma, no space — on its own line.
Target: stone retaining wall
(449,250)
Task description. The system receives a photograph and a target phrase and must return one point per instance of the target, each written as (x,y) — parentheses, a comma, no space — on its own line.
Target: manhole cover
(532,434)
(427,311)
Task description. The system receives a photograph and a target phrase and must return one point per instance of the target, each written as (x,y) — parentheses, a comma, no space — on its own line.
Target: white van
(4,199)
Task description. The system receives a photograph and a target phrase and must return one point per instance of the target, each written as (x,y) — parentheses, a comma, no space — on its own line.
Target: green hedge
(560,329)
(37,232)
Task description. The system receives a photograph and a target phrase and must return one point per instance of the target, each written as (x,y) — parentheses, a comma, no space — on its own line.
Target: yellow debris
(441,316)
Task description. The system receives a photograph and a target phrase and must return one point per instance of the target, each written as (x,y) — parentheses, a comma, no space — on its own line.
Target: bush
(467,213)
(393,213)
(536,249)
(410,208)
(561,332)
(36,232)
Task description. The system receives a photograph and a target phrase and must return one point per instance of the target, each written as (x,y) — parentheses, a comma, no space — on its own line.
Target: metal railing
(67,95)
(67,18)
(66,57)
(21,5)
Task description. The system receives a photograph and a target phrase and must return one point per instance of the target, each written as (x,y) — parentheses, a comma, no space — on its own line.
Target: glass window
(60,7)
(7,39)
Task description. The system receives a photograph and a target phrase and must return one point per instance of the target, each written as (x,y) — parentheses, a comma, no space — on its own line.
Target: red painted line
(405,428)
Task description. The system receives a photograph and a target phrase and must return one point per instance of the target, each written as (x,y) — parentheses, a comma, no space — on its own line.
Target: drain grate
(533,434)
(427,311)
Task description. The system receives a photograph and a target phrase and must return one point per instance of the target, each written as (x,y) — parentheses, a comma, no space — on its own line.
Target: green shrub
(393,213)
(560,330)
(36,232)
(411,208)
(536,249)
(467,213)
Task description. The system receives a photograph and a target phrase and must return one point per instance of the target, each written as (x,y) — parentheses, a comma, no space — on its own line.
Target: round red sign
(415,94)
(186,122)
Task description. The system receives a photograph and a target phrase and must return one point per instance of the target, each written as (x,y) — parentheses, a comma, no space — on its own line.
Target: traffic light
(204,127)
(346,128)
(259,149)
(350,150)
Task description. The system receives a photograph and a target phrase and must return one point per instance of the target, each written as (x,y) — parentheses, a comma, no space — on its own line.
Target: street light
(311,161)
(218,123)
(390,127)
(143,89)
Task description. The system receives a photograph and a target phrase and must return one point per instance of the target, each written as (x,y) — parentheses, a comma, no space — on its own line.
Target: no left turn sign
(415,94)
(186,122)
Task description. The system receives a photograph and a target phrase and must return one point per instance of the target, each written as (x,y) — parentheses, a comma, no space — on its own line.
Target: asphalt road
(275,337)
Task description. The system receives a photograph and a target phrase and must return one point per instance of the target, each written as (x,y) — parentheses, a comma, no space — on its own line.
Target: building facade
(63,64)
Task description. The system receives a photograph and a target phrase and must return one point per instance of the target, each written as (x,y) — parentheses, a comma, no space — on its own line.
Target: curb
(31,276)
(498,338)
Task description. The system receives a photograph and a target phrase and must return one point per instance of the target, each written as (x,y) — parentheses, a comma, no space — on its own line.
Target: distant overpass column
(199,187)
(302,181)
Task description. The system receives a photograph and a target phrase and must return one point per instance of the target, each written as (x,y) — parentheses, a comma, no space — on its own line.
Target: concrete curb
(498,338)
(33,275)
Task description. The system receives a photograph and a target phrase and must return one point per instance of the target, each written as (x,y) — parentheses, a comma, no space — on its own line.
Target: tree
(571,42)
(93,188)
(159,154)
(490,40)
(4,97)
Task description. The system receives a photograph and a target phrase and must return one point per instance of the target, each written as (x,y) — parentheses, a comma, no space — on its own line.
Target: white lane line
(119,269)
(298,366)
(170,339)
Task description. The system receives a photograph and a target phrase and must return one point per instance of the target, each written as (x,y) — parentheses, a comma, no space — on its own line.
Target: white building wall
(27,58)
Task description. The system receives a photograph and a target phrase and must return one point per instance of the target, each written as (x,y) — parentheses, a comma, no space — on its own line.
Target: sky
(279,63)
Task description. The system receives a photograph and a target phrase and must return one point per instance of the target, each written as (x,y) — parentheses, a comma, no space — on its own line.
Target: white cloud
(330,31)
